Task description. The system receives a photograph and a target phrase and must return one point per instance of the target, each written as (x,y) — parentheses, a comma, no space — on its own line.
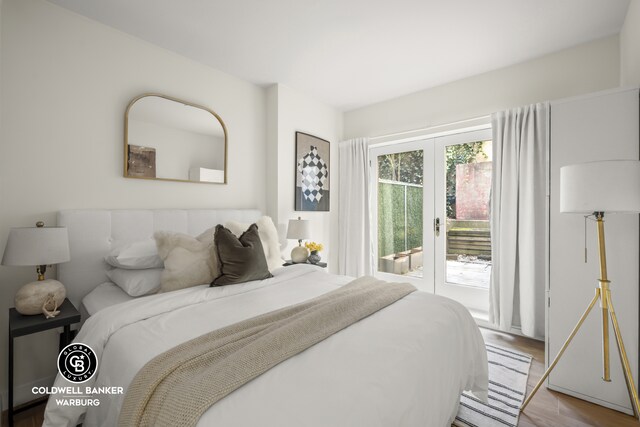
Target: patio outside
(400,202)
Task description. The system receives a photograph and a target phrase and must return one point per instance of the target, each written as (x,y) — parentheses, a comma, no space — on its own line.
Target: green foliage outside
(414,217)
(399,169)
(402,168)
(457,155)
(391,211)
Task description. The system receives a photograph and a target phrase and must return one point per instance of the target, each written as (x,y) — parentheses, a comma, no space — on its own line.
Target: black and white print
(312,173)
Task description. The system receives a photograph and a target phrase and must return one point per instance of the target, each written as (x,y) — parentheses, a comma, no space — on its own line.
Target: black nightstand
(288,262)
(20,325)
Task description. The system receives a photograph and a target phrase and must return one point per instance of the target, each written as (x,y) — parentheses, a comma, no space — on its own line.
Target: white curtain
(354,244)
(518,218)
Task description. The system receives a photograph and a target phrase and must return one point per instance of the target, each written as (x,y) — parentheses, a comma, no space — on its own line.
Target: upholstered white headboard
(94,233)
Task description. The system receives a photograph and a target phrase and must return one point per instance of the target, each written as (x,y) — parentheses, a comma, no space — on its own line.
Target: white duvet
(405,365)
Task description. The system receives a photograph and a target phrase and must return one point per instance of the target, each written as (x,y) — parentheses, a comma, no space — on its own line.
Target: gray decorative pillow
(268,237)
(241,258)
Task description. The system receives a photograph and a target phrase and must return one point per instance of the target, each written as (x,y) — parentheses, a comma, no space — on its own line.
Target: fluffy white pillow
(188,261)
(136,282)
(268,236)
(135,256)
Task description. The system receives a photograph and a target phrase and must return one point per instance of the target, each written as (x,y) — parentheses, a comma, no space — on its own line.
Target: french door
(402,203)
(430,203)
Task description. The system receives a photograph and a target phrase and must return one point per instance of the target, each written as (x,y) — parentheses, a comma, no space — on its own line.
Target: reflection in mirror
(170,139)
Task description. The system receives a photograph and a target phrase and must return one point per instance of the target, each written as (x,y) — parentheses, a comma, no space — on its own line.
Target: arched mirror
(169,139)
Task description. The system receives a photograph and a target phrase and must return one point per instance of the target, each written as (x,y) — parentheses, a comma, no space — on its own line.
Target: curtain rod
(429,128)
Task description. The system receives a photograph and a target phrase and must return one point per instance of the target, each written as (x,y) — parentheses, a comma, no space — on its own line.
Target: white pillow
(135,256)
(136,282)
(188,261)
(268,236)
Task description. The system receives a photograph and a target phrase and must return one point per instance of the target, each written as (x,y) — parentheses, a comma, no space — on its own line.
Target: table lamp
(594,189)
(299,229)
(38,246)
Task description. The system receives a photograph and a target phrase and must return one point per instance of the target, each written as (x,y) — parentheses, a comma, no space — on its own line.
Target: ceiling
(351,53)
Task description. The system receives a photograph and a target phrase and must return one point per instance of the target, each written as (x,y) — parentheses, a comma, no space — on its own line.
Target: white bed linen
(405,365)
(103,296)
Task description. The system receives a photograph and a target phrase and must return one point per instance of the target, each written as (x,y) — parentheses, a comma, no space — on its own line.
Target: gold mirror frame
(170,98)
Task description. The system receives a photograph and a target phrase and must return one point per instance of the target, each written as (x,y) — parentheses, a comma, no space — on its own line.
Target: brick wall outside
(473,187)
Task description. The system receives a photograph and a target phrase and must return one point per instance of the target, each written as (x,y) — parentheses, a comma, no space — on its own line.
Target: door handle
(436,226)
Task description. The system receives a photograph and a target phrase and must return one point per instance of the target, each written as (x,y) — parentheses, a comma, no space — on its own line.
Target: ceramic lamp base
(299,254)
(40,297)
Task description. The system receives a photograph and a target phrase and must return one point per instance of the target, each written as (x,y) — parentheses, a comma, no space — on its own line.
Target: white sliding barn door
(595,127)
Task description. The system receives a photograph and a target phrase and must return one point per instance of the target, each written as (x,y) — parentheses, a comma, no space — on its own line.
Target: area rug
(508,373)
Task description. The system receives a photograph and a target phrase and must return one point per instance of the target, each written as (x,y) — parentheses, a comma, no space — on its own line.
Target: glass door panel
(399,194)
(400,184)
(463,248)
(468,187)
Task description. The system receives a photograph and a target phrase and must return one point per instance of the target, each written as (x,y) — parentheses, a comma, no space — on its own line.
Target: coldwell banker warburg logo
(77,362)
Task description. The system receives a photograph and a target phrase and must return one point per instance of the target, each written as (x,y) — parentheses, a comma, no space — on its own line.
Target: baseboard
(484,323)
(22,393)
(591,399)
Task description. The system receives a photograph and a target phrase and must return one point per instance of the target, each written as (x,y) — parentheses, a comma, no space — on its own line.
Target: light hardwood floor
(547,408)
(550,408)
(33,417)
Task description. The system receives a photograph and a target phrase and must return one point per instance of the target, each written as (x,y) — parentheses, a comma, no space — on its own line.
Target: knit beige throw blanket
(178,386)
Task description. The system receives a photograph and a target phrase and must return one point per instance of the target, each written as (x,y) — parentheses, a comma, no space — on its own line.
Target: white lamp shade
(299,229)
(611,186)
(36,246)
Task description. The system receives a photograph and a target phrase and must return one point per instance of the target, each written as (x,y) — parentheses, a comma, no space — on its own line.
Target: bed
(404,365)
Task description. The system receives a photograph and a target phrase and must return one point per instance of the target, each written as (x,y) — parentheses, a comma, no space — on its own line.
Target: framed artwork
(312,189)
(142,161)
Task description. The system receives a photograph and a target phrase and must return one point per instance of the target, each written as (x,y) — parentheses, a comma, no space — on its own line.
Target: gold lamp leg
(604,302)
(603,293)
(626,368)
(606,372)
(562,349)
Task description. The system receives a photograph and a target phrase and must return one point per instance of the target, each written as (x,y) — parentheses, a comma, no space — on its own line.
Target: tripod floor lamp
(597,188)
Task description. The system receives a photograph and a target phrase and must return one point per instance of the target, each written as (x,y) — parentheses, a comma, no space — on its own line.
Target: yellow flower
(313,246)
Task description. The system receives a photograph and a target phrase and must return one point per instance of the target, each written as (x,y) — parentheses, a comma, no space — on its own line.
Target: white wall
(290,111)
(582,69)
(65,82)
(630,46)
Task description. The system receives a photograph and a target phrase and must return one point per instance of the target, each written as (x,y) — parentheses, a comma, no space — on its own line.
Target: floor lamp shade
(611,186)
